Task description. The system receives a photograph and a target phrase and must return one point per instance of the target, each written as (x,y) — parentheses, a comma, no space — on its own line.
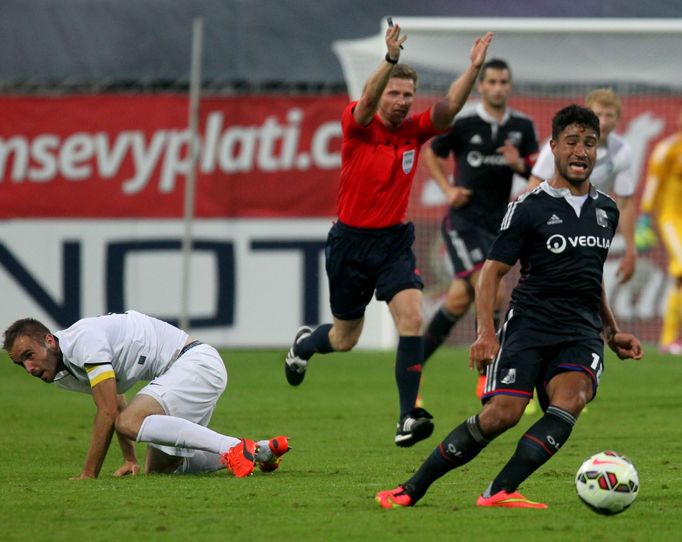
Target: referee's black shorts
(360,261)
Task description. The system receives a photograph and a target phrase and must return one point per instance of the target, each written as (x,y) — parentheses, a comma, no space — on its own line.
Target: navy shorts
(529,357)
(361,261)
(467,243)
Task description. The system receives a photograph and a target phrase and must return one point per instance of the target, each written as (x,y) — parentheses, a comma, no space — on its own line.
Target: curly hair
(574,114)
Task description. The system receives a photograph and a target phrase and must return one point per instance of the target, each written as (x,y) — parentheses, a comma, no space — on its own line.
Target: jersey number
(596,365)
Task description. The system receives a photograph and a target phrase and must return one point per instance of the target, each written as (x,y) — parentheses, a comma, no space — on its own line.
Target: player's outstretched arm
(625,345)
(444,111)
(626,267)
(512,157)
(485,347)
(456,196)
(368,104)
(104,395)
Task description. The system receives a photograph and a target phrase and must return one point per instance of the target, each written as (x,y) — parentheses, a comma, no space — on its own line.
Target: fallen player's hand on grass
(83,476)
(128,468)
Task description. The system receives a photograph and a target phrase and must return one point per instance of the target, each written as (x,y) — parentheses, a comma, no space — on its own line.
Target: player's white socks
(209,462)
(201,462)
(263,451)
(181,433)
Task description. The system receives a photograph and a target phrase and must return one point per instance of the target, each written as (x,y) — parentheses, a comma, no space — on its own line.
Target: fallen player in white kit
(106,355)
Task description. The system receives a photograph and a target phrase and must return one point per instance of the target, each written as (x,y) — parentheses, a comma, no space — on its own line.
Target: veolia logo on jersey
(477,159)
(557,243)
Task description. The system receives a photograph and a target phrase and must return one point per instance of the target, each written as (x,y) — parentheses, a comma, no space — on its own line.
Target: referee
(369,249)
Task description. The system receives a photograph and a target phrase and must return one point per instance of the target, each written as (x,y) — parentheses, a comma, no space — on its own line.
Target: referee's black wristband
(390,60)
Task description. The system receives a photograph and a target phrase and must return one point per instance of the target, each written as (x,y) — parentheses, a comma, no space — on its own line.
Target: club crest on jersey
(602,218)
(408,161)
(510,377)
(515,138)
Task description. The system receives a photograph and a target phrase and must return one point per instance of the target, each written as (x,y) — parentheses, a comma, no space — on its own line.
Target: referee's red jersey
(377,168)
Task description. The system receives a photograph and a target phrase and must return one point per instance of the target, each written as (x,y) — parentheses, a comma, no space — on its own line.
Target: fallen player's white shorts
(190,389)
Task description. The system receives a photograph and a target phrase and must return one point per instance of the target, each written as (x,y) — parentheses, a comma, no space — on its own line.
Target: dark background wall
(249,44)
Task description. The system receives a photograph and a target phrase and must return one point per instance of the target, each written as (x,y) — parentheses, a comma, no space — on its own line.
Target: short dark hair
(495,64)
(403,71)
(574,114)
(29,327)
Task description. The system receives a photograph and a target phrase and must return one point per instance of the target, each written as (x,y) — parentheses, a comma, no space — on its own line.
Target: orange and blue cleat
(393,498)
(502,499)
(270,453)
(241,458)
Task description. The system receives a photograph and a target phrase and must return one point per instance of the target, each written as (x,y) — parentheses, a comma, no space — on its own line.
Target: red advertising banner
(110,156)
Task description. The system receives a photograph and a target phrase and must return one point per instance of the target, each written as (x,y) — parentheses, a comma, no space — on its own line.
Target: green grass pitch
(341,420)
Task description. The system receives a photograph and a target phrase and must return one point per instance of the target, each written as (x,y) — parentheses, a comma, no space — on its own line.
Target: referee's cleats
(241,458)
(270,452)
(394,498)
(416,426)
(502,499)
(295,367)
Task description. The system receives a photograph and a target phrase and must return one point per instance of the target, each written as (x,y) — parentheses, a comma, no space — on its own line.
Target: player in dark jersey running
(552,339)
(370,247)
(490,145)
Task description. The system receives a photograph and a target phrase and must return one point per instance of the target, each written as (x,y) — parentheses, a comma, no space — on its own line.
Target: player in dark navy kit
(490,144)
(552,339)
(369,249)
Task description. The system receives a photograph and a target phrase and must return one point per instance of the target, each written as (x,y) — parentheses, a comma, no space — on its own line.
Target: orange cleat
(480,386)
(269,458)
(393,498)
(241,458)
(502,499)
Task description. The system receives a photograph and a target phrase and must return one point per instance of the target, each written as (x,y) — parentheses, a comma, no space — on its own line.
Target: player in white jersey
(106,355)
(612,172)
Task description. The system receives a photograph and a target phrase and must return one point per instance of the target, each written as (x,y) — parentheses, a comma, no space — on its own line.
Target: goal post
(540,50)
(554,62)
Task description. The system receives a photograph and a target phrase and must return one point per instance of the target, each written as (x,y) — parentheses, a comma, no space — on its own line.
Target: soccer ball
(607,482)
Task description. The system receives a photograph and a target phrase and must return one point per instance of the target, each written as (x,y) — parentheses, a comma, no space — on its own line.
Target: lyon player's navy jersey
(562,249)
(473,140)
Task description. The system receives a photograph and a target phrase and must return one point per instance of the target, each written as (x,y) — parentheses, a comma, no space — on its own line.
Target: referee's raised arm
(368,105)
(443,112)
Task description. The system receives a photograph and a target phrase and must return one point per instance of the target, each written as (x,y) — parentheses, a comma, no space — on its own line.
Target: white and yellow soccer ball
(607,482)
